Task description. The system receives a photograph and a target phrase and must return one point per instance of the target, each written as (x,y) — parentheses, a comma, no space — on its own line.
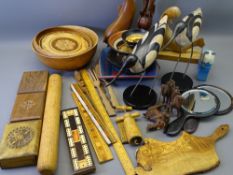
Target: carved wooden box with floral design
(20,144)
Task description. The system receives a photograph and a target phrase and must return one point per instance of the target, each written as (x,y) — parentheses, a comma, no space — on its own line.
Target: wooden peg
(124,108)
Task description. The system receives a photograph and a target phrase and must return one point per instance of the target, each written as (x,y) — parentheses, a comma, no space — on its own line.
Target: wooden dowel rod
(48,153)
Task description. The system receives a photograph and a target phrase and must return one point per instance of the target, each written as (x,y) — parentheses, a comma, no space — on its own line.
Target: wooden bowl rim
(94,38)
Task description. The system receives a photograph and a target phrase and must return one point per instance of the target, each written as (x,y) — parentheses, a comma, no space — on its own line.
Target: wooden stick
(101,93)
(118,147)
(124,108)
(100,147)
(113,97)
(48,153)
(173,56)
(91,115)
(95,114)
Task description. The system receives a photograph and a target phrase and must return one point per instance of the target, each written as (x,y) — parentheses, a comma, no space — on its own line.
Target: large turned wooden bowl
(65,47)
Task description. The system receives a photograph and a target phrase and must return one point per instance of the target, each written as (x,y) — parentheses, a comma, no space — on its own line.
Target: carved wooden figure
(176,103)
(158,118)
(166,90)
(146,15)
(124,19)
(171,49)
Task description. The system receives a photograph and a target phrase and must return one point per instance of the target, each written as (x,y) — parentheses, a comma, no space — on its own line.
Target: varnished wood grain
(124,19)
(48,154)
(28,107)
(34,81)
(118,147)
(20,152)
(104,99)
(102,150)
(129,130)
(95,114)
(66,61)
(187,155)
(173,56)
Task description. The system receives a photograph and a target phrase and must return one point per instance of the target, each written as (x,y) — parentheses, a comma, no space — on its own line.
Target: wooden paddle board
(187,155)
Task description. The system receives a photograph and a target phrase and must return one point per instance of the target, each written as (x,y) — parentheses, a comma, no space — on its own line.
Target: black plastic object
(183,82)
(127,63)
(222,110)
(116,58)
(177,125)
(191,125)
(142,98)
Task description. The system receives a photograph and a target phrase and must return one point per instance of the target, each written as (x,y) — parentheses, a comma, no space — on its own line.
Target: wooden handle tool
(48,153)
(132,115)
(129,131)
(220,132)
(124,108)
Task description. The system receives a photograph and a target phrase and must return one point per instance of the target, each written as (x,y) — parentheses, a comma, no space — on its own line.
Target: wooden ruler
(102,150)
(94,113)
(90,115)
(119,148)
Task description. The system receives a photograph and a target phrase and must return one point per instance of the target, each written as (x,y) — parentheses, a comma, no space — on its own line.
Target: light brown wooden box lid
(20,144)
(34,81)
(28,107)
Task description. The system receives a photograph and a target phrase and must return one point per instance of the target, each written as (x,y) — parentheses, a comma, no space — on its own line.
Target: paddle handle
(176,126)
(221,131)
(191,125)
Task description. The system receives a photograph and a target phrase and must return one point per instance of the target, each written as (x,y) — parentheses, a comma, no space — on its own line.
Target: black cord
(191,56)
(178,60)
(139,81)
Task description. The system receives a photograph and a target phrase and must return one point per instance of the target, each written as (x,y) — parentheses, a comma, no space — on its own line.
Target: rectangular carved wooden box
(34,81)
(28,107)
(20,144)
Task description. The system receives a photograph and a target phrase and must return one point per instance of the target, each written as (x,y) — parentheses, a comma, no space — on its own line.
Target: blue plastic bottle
(205,65)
